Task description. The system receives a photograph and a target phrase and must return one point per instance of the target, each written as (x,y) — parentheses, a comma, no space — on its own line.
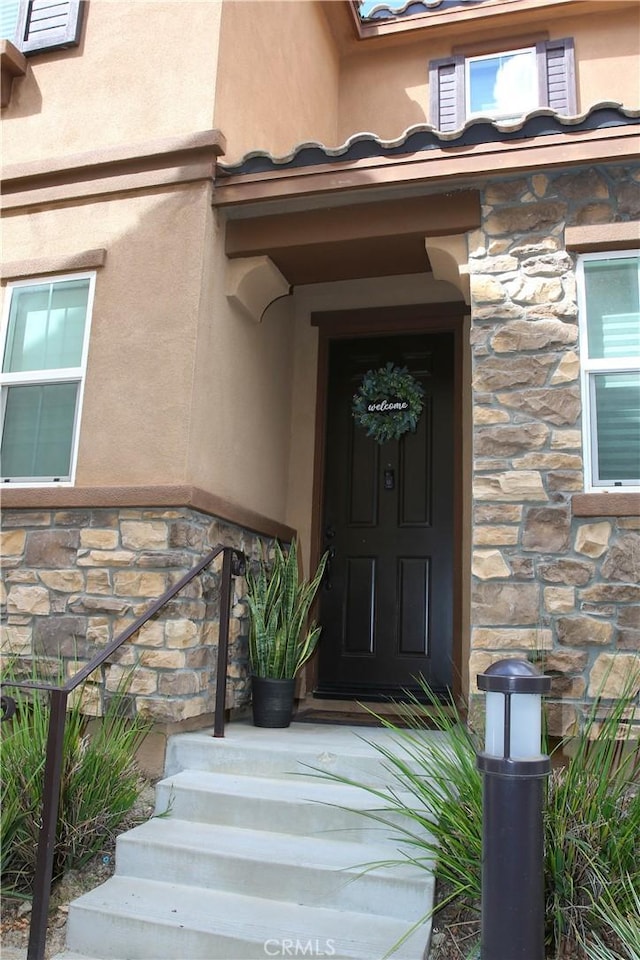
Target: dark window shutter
(557,75)
(446,93)
(49,25)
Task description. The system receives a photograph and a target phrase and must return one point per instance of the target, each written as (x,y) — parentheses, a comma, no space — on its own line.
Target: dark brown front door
(386,602)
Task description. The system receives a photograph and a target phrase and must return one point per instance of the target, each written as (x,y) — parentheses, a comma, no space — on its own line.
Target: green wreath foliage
(378,385)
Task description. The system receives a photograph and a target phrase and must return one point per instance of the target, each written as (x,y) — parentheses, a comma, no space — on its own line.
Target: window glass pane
(617,399)
(8,18)
(46,326)
(613,307)
(505,85)
(38,430)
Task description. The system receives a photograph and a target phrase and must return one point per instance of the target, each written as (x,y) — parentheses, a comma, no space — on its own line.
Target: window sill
(594,238)
(32,484)
(12,64)
(606,504)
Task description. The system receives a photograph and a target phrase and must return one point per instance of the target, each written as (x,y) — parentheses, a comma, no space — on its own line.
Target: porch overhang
(373,208)
(356,240)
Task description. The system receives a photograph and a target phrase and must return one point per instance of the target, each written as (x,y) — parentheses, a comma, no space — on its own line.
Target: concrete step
(278,866)
(298,749)
(310,808)
(151,920)
(251,856)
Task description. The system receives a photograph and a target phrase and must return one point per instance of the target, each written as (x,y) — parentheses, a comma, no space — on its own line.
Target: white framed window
(502,85)
(45,340)
(609,302)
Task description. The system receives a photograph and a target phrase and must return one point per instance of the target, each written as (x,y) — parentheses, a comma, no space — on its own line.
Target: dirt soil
(455,935)
(16,914)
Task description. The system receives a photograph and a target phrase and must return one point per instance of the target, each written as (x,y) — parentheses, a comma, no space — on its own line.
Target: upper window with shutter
(609,298)
(42,25)
(503,85)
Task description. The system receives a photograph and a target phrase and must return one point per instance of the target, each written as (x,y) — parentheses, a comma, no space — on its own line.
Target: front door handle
(328,585)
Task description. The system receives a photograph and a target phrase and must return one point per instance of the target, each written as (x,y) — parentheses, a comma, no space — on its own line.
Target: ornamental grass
(100,784)
(432,806)
(625,925)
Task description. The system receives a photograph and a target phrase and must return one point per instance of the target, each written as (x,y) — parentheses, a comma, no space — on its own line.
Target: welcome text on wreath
(387,406)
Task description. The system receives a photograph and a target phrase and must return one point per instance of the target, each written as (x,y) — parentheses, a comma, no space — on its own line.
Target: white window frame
(45,377)
(509,115)
(589,367)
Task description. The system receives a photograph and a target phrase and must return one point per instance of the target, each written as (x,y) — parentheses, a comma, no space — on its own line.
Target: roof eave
(438,166)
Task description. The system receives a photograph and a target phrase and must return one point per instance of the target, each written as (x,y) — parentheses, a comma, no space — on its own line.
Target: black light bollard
(514,770)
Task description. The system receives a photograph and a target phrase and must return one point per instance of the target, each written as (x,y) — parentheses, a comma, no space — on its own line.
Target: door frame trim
(447,317)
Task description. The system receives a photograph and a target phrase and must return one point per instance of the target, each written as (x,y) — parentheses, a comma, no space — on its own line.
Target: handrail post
(47,836)
(232,566)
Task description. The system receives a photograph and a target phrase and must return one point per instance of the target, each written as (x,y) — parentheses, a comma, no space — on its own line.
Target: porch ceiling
(351,260)
(355,241)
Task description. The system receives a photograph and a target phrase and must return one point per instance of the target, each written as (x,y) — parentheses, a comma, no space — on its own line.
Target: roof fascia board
(435,166)
(492,11)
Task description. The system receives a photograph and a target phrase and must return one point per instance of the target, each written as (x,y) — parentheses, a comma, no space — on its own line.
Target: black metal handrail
(233,565)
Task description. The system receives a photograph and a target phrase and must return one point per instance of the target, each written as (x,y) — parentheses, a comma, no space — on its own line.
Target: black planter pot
(272,701)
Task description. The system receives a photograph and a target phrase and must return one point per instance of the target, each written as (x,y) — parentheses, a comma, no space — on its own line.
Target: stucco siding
(142,71)
(278,76)
(241,416)
(137,400)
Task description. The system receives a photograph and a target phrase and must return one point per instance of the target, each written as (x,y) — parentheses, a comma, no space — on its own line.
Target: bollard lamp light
(513,774)
(513,714)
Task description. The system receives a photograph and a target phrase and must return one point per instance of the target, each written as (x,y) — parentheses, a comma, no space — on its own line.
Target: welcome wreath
(388,403)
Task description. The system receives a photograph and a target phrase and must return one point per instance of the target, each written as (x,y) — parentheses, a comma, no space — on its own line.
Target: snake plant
(280,641)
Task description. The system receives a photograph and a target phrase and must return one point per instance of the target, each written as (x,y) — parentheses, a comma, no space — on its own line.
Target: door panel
(414,606)
(386,602)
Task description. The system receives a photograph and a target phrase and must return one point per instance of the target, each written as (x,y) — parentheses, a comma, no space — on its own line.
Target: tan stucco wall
(181,386)
(143,70)
(135,419)
(277,76)
(241,415)
(386,90)
(608,58)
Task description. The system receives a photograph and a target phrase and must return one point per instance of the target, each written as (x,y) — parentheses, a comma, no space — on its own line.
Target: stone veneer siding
(73,579)
(545,584)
